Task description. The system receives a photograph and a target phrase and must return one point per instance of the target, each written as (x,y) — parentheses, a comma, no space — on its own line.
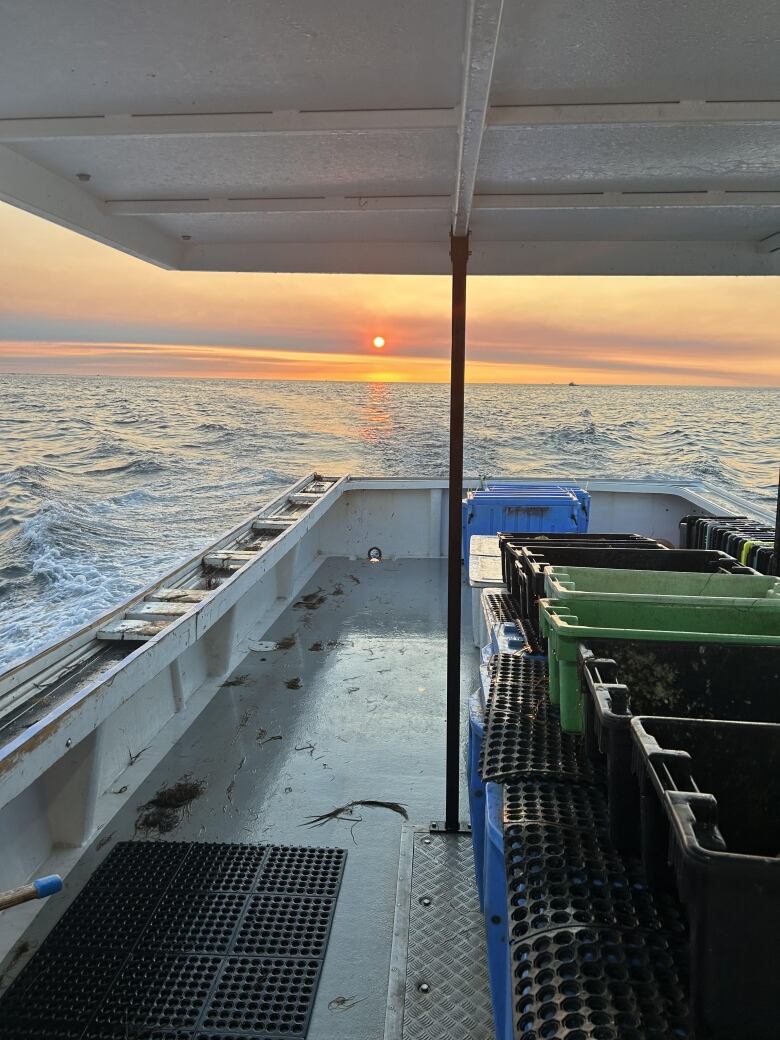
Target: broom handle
(39,889)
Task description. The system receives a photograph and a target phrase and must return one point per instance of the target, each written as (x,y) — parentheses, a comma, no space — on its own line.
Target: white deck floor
(304,730)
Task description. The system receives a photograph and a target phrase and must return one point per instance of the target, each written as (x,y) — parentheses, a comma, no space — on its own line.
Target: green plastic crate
(573,585)
(748,622)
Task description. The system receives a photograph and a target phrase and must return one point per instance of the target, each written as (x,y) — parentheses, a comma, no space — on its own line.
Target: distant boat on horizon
(572,383)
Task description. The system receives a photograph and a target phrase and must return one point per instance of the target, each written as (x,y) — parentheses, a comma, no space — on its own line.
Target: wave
(132,498)
(146,465)
(107,482)
(214,427)
(28,473)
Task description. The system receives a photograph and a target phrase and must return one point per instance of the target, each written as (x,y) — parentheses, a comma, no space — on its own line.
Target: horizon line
(374,382)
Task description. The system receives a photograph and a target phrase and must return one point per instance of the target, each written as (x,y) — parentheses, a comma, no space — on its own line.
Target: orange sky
(71,305)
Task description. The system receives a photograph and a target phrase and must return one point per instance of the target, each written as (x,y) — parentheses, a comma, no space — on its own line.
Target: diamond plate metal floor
(438,974)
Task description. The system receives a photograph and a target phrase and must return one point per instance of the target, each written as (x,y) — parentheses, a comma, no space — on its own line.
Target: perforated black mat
(557,804)
(564,878)
(523,736)
(501,608)
(506,671)
(594,951)
(600,984)
(183,941)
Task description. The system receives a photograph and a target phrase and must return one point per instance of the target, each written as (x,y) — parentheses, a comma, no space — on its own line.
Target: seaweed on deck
(170,805)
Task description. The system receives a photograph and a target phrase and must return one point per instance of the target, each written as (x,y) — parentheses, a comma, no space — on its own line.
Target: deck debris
(133,758)
(104,841)
(170,805)
(344,1003)
(369,803)
(285,643)
(237,680)
(311,601)
(332,644)
(19,951)
(232,785)
(294,683)
(261,741)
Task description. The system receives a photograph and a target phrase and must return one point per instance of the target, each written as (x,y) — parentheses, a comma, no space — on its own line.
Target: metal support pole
(777,532)
(459,254)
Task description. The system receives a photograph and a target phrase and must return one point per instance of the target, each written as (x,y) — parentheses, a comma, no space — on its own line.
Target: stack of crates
(672,679)
(750,542)
(627,623)
(624,796)
(574,935)
(523,506)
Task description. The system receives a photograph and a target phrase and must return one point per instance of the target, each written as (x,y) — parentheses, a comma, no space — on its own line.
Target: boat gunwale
(180,572)
(222,599)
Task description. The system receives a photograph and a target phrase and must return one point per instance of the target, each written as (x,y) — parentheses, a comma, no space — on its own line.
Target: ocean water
(106,483)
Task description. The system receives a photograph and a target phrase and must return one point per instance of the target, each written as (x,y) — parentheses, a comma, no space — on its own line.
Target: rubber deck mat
(564,878)
(599,984)
(523,736)
(506,671)
(183,941)
(501,608)
(594,951)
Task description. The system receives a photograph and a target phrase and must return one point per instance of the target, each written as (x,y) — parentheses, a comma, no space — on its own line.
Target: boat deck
(343,700)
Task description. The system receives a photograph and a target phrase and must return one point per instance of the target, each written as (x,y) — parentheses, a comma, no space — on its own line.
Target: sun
(378,342)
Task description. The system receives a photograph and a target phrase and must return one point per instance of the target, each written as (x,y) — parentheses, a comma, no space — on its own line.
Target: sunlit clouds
(70,305)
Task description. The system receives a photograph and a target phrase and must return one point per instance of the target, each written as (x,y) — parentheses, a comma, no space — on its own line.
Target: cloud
(86,307)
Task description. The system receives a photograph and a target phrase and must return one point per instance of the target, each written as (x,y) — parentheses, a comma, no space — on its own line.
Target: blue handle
(47,886)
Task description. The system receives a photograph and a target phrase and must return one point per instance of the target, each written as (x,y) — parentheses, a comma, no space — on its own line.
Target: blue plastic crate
(505,638)
(495,911)
(476,786)
(512,485)
(524,507)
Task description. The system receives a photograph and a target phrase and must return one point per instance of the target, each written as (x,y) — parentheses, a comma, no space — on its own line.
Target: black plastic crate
(513,553)
(509,540)
(534,560)
(706,681)
(694,527)
(710,792)
(730,534)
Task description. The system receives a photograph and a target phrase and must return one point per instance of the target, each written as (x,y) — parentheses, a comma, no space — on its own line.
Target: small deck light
(375,555)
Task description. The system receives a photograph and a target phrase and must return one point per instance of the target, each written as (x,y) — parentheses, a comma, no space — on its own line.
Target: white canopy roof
(591,137)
